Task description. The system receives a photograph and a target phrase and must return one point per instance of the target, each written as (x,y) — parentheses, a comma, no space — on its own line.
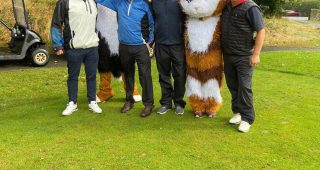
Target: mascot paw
(212,114)
(137,98)
(198,114)
(103,99)
(98,99)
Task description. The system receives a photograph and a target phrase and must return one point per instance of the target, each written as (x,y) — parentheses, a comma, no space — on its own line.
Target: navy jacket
(169,22)
(136,25)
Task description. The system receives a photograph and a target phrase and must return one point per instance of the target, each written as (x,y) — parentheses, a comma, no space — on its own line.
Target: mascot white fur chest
(203,55)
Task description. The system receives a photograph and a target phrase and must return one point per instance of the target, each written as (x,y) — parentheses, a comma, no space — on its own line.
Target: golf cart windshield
(20,13)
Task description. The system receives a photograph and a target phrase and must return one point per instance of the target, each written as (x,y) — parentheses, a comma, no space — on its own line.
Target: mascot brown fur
(203,55)
(109,61)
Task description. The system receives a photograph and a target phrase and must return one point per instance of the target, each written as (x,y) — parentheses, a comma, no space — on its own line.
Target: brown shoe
(126,107)
(146,111)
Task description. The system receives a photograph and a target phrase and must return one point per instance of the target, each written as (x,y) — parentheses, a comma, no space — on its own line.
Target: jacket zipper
(131,1)
(85,1)
(71,41)
(89,6)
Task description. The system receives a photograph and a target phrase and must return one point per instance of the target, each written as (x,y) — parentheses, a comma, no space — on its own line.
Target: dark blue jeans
(90,58)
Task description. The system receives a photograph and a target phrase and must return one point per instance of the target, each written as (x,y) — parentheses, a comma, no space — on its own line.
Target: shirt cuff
(58,48)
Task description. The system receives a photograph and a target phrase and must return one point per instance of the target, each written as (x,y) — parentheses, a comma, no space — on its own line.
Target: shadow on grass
(290,72)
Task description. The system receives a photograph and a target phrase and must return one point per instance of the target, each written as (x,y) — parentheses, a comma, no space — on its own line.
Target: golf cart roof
(20,13)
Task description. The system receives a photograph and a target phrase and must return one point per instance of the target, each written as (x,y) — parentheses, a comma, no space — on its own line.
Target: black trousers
(238,73)
(129,54)
(171,60)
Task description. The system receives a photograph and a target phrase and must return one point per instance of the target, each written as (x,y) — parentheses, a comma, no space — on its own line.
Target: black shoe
(126,107)
(146,111)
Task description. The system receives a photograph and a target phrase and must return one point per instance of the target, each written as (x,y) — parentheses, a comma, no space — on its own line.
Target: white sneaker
(98,99)
(93,106)
(244,127)
(137,98)
(236,119)
(71,107)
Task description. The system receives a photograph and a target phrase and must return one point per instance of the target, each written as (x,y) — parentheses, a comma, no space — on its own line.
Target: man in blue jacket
(170,54)
(135,32)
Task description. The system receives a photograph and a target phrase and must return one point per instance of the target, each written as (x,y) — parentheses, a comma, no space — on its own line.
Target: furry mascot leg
(212,107)
(197,105)
(105,90)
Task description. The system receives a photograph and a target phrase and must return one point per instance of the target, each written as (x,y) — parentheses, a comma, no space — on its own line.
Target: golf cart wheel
(39,57)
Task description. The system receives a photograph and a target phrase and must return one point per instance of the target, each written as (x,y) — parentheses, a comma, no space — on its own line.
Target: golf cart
(24,43)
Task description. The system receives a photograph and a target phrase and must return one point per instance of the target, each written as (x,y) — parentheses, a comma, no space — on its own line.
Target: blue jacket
(135,20)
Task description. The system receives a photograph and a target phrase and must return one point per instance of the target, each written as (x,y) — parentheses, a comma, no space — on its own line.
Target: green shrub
(270,7)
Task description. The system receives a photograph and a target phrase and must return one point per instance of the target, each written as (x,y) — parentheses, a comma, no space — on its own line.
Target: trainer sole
(71,112)
(162,113)
(237,123)
(95,112)
(179,113)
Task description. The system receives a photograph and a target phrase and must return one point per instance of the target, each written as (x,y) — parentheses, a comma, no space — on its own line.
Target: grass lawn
(284,136)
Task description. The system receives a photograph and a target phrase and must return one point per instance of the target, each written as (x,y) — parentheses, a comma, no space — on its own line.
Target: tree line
(275,7)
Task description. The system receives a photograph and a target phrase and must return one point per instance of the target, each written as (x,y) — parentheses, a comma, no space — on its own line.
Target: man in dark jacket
(79,41)
(170,53)
(136,27)
(241,19)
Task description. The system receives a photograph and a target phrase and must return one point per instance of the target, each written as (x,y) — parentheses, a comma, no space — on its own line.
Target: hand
(60,52)
(148,46)
(254,60)
(150,50)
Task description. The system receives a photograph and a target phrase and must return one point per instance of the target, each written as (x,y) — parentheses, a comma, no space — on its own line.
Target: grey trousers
(238,75)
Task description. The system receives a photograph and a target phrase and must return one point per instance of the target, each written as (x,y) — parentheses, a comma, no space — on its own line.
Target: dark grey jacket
(169,22)
(237,33)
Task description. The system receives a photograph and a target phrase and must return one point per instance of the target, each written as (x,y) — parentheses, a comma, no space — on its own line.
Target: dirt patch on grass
(3,163)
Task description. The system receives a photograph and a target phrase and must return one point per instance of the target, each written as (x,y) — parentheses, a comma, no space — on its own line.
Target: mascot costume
(203,55)
(109,61)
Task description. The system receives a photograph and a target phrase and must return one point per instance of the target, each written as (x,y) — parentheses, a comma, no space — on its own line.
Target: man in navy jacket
(170,53)
(135,32)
